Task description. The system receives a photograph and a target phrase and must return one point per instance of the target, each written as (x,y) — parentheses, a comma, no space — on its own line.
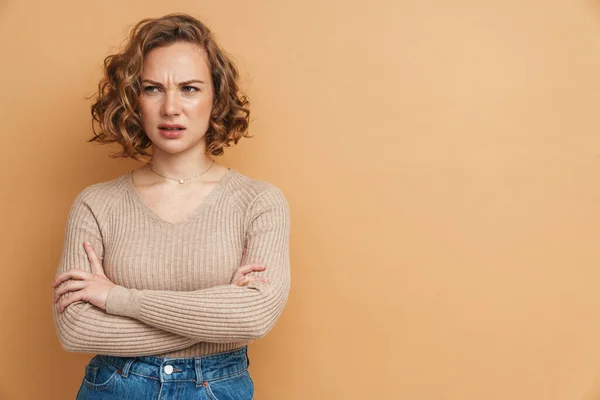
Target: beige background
(441,159)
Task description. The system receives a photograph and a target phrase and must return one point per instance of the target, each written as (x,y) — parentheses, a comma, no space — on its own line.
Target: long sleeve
(225,313)
(83,327)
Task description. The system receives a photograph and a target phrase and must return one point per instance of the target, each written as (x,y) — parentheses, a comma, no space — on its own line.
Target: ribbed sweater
(173,296)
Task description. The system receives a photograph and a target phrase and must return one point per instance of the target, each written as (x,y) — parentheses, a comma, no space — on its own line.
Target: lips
(171,131)
(171,127)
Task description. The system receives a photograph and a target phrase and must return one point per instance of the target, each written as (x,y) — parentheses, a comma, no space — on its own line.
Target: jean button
(168,369)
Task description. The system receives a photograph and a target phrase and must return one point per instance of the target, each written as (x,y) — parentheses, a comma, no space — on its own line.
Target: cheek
(146,109)
(201,108)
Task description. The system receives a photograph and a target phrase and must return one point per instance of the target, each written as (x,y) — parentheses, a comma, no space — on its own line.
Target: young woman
(170,270)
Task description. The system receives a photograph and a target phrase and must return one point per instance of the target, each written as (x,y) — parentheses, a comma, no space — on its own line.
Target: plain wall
(441,160)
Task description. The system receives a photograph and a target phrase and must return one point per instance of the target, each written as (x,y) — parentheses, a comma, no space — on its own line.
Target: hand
(241,279)
(92,287)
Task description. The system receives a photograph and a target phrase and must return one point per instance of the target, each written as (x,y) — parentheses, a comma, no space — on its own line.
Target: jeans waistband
(199,369)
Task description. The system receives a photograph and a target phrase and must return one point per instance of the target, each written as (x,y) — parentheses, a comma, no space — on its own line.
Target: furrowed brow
(180,84)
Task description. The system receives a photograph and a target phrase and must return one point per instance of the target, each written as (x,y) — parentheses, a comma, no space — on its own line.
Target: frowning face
(176,98)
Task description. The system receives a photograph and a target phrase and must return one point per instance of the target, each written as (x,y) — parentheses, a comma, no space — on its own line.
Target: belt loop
(127,366)
(247,358)
(198,367)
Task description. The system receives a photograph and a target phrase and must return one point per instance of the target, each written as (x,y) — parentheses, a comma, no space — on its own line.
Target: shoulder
(250,193)
(99,197)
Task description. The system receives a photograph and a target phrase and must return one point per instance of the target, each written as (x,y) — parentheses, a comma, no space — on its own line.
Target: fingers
(240,278)
(247,279)
(72,298)
(75,273)
(93,258)
(243,281)
(258,279)
(69,286)
(71,274)
(244,269)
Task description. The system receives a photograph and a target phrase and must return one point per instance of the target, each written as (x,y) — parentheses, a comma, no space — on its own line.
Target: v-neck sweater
(173,297)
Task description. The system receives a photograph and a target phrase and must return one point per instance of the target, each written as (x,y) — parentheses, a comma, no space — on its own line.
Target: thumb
(243,256)
(95,263)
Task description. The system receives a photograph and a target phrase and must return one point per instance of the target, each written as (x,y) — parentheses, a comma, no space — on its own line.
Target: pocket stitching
(220,378)
(212,396)
(99,386)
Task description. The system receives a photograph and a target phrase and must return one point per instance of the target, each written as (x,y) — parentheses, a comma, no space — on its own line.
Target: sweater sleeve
(83,327)
(226,313)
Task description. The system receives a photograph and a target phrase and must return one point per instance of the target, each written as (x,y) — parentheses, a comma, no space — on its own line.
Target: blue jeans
(222,376)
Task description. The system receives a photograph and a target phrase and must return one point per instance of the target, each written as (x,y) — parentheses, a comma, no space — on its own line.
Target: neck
(182,165)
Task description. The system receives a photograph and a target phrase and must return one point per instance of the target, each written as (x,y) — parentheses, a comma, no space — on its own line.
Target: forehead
(187,60)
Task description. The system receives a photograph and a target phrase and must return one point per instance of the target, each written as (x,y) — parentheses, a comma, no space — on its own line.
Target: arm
(226,313)
(86,328)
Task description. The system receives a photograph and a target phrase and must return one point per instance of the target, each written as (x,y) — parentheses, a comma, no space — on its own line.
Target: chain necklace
(184,179)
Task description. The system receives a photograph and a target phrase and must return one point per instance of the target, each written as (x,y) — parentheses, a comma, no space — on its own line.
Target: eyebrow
(179,84)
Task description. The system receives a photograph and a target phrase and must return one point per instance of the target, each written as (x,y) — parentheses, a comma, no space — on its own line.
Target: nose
(171,104)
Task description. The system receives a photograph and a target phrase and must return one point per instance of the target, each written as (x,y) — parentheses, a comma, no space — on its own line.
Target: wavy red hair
(115,112)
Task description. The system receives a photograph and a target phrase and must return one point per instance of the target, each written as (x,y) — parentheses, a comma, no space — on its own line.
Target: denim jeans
(222,376)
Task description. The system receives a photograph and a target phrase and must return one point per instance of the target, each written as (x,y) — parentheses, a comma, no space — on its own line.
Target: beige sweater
(174,297)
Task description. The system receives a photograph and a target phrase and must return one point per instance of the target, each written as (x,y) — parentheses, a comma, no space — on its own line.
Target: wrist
(123,301)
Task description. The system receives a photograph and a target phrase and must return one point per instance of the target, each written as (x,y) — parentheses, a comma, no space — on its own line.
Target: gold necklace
(184,179)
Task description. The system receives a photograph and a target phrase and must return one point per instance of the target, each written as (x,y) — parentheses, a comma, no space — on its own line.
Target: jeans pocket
(99,374)
(236,387)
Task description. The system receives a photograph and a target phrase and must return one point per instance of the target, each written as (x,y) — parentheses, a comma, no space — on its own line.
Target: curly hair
(115,112)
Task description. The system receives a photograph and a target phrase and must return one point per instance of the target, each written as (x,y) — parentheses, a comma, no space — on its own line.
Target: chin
(171,148)
(175,146)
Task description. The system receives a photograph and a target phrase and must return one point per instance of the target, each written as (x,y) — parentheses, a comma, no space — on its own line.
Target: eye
(189,89)
(150,89)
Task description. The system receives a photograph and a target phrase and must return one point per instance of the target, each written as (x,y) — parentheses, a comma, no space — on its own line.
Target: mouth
(171,131)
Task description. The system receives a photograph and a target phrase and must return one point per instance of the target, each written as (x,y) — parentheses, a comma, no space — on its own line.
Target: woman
(170,270)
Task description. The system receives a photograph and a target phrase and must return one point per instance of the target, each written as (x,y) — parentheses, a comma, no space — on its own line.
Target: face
(176,98)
